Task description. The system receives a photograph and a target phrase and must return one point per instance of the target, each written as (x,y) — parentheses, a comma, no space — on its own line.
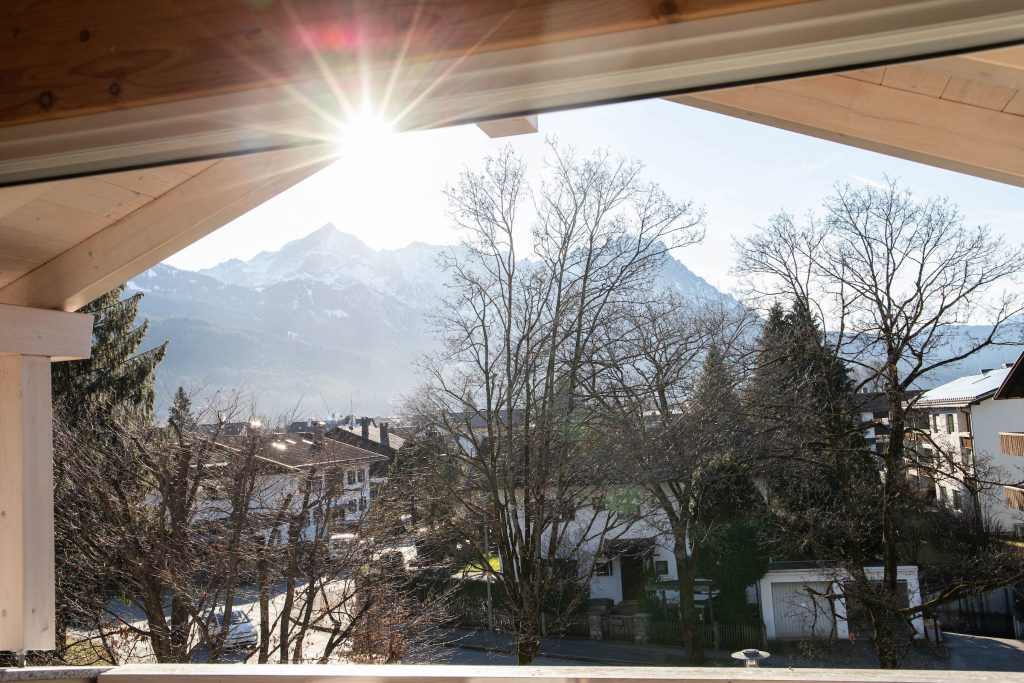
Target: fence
(715,636)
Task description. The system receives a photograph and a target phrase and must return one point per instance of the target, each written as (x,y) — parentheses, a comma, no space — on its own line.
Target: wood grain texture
(41,221)
(41,332)
(355,673)
(925,78)
(218,194)
(503,128)
(26,504)
(66,57)
(923,128)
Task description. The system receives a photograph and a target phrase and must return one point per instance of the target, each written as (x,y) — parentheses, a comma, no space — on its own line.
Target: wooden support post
(27,594)
(29,339)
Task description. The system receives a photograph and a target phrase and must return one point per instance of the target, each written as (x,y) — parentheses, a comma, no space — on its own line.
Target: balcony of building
(1011,443)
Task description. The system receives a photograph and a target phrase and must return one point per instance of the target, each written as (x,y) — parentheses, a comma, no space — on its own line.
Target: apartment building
(969,439)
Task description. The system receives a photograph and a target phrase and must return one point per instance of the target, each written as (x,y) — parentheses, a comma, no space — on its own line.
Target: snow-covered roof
(964,390)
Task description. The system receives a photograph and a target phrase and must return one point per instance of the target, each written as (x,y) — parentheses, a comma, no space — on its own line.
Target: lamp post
(750,657)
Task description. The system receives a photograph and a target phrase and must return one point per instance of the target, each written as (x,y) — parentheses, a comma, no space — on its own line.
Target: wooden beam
(109,85)
(198,206)
(503,128)
(65,58)
(26,504)
(40,332)
(948,134)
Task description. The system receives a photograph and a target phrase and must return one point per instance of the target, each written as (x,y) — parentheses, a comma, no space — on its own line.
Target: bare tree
(674,393)
(523,328)
(894,280)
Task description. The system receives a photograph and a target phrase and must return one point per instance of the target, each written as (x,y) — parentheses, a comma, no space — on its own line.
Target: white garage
(804,600)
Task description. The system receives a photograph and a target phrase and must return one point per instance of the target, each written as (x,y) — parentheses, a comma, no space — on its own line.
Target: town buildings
(337,475)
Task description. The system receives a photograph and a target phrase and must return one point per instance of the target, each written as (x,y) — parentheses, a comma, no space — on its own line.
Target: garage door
(800,614)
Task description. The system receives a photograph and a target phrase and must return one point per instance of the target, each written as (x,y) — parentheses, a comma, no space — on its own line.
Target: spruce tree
(807,435)
(117,377)
(90,396)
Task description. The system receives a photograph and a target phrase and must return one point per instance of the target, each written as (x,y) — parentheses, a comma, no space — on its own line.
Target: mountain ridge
(327,324)
(361,312)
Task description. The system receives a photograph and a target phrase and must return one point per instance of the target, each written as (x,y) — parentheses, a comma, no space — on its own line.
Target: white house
(965,422)
(338,474)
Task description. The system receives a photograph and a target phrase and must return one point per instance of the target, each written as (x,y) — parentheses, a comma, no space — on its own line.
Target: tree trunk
(526,648)
(890,490)
(262,578)
(689,624)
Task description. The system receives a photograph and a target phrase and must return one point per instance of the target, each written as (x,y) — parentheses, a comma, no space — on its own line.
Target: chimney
(384,441)
(365,422)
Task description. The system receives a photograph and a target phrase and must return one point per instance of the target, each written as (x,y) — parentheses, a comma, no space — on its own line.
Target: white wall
(784,576)
(988,419)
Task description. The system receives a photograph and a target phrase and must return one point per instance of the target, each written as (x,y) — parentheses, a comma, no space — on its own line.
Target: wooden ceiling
(105,85)
(225,103)
(65,242)
(963,113)
(115,55)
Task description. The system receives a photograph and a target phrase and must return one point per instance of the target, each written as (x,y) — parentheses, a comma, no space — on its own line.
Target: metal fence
(715,636)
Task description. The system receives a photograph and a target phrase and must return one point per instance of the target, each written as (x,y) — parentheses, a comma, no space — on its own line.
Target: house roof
(875,402)
(302,450)
(373,434)
(964,390)
(1013,383)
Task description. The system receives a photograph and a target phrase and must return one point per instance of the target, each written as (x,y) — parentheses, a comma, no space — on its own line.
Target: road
(983,653)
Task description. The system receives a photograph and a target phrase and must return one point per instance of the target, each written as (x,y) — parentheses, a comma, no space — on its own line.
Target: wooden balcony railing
(1012,443)
(311,673)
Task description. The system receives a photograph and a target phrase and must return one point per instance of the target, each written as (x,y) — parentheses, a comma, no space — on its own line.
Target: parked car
(241,632)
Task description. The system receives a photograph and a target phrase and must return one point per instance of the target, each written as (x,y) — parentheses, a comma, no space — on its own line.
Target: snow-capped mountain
(335,258)
(325,324)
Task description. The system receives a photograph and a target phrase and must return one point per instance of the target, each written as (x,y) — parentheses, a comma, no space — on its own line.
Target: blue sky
(389,193)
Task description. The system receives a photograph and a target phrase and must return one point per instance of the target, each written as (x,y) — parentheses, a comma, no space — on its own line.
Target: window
(949,423)
(935,423)
(661,567)
(1014,497)
(361,476)
(603,568)
(967,422)
(957,500)
(944,496)
(362,504)
(351,477)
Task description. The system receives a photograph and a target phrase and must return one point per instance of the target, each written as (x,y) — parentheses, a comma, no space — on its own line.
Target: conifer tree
(808,440)
(89,396)
(117,377)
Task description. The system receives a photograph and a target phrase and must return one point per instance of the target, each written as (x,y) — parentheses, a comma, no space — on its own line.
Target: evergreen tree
(116,378)
(89,396)
(808,439)
(180,417)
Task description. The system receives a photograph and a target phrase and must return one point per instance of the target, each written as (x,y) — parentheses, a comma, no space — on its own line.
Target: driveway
(982,653)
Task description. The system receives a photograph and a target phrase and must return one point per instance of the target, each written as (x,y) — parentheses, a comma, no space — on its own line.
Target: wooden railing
(312,673)
(1012,443)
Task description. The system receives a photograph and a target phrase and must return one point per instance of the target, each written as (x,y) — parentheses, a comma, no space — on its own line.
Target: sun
(364,135)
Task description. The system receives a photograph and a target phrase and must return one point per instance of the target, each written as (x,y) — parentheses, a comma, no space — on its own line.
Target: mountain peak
(329,237)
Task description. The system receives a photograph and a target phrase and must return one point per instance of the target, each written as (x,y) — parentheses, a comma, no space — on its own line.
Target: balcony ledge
(52,673)
(305,673)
